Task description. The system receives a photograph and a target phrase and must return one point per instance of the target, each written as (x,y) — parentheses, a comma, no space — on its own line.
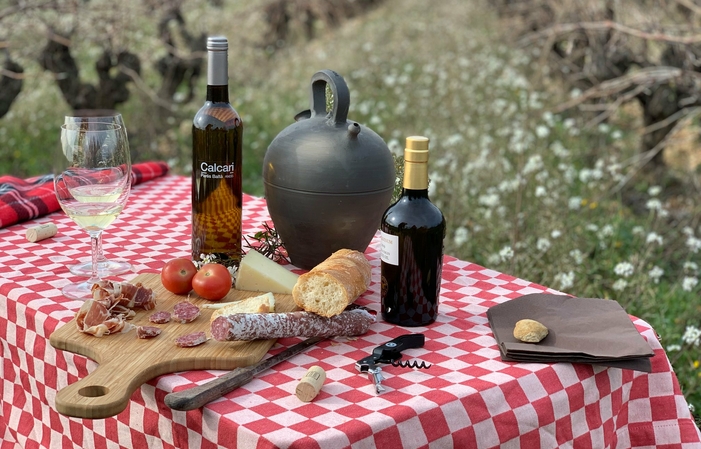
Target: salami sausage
(254,326)
(185,312)
(161,317)
(190,340)
(148,331)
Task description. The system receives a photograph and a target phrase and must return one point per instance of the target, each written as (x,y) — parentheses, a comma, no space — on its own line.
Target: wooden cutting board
(126,362)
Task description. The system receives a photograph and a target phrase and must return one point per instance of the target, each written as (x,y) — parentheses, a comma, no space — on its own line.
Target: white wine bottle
(412,232)
(217,134)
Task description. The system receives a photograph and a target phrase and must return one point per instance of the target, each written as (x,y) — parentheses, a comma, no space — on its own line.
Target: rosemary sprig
(268,243)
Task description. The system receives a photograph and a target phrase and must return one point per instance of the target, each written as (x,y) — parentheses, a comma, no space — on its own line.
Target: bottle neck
(218,94)
(217,76)
(415,176)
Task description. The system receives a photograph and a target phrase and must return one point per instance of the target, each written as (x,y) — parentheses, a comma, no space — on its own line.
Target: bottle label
(216,170)
(389,248)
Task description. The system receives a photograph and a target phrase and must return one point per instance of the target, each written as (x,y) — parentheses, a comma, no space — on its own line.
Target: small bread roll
(333,284)
(530,331)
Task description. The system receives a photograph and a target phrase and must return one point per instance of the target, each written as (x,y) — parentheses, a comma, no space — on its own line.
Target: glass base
(80,291)
(104,269)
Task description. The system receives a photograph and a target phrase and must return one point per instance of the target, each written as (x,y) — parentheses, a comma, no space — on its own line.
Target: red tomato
(212,282)
(177,275)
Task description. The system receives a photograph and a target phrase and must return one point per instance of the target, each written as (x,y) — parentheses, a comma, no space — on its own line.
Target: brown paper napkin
(580,330)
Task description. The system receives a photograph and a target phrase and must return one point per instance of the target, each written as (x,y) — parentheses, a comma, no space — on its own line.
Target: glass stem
(100,255)
(95,241)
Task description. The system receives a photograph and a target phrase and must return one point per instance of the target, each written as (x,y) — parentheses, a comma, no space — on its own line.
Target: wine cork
(310,385)
(41,232)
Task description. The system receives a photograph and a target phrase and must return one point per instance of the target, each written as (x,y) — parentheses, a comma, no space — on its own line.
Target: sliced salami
(185,312)
(161,317)
(254,326)
(148,331)
(190,340)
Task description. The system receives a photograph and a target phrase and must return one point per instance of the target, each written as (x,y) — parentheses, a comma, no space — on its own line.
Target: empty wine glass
(105,266)
(92,179)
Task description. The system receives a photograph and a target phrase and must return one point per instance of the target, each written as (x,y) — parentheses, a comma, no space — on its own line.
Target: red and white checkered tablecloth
(468,398)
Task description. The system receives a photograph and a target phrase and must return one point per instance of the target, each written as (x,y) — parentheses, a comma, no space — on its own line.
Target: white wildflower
(606,231)
(591,227)
(461,236)
(540,191)
(689,283)
(543,244)
(617,134)
(577,256)
(506,253)
(620,285)
(654,190)
(574,203)
(542,131)
(692,335)
(654,237)
(624,269)
(604,128)
(493,259)
(638,230)
(533,164)
(654,204)
(555,233)
(655,274)
(675,347)
(489,199)
(559,150)
(691,267)
(693,244)
(566,280)
(686,230)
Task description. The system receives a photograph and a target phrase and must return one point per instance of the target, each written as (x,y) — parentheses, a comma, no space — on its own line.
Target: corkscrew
(391,352)
(418,364)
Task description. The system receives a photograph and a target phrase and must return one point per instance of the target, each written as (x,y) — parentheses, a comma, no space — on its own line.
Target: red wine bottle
(217,134)
(412,233)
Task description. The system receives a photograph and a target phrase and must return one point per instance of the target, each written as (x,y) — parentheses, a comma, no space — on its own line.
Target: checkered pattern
(468,398)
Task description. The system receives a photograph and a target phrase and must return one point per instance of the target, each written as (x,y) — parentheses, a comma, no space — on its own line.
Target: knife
(200,395)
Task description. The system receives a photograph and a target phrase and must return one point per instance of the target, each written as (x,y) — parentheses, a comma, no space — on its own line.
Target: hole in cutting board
(93,391)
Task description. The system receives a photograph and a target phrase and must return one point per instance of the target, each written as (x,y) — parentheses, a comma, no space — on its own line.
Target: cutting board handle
(101,393)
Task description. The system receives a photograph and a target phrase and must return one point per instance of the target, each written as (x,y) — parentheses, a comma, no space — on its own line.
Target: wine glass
(105,266)
(92,179)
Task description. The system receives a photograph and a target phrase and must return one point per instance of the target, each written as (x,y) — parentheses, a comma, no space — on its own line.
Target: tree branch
(606,25)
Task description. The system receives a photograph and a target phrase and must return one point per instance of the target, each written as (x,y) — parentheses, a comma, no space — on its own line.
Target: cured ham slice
(124,295)
(112,305)
(95,319)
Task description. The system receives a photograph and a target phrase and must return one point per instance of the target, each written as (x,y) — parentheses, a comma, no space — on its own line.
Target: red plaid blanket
(24,199)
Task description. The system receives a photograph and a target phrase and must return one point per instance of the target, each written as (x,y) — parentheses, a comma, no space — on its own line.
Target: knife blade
(200,395)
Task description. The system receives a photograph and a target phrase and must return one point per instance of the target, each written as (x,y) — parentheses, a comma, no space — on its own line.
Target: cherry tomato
(212,282)
(177,275)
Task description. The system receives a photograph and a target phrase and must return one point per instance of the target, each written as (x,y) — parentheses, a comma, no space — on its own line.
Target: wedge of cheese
(260,274)
(257,304)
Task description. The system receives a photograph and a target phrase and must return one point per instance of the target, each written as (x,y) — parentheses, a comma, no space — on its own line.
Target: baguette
(333,284)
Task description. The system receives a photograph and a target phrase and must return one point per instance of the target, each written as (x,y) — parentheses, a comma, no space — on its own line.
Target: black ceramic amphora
(327,180)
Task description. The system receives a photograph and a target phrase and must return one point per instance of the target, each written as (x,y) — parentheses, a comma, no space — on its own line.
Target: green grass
(524,191)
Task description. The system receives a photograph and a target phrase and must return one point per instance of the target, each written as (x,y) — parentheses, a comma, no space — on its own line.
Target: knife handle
(200,395)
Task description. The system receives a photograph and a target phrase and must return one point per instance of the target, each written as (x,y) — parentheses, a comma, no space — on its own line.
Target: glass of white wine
(106,267)
(92,179)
